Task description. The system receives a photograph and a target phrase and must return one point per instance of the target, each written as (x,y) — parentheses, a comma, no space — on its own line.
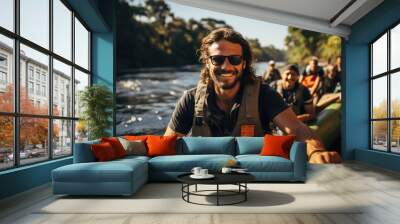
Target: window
(62,75)
(3,72)
(30,87)
(81,45)
(34,21)
(44,91)
(38,89)
(62,29)
(7,14)
(54,126)
(37,74)
(3,61)
(6,72)
(385,96)
(44,77)
(3,78)
(30,72)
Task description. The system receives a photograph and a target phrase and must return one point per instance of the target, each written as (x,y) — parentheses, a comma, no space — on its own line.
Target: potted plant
(96,103)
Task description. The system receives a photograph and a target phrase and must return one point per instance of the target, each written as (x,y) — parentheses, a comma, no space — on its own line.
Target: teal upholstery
(119,177)
(83,152)
(259,163)
(185,163)
(298,155)
(126,175)
(206,145)
(249,145)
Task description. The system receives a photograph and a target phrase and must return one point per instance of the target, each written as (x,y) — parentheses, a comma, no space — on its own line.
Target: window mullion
(50,81)
(73,82)
(16,84)
(389,113)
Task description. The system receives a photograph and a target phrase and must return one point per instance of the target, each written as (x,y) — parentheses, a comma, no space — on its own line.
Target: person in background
(230,100)
(272,74)
(330,90)
(311,78)
(296,95)
(330,81)
(337,68)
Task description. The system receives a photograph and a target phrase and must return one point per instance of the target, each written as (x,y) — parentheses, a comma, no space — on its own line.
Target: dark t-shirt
(289,96)
(222,123)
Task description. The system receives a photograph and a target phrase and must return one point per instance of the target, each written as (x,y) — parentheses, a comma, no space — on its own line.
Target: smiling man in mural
(230,100)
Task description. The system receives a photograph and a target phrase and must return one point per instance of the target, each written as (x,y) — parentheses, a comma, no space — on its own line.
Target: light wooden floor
(378,189)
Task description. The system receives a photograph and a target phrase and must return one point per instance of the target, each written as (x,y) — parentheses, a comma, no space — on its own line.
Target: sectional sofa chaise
(125,176)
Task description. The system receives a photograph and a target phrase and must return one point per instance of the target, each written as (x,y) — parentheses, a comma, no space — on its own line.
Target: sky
(35,27)
(266,33)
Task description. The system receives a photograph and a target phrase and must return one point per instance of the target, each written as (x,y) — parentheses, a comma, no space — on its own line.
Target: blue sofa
(125,176)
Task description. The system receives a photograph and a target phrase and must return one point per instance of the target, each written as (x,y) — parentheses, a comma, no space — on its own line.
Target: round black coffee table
(238,179)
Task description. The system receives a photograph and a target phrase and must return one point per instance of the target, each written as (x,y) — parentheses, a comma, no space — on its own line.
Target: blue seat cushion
(257,163)
(206,145)
(249,145)
(111,171)
(185,163)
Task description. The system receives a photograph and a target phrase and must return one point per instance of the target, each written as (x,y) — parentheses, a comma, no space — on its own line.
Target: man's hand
(288,122)
(325,157)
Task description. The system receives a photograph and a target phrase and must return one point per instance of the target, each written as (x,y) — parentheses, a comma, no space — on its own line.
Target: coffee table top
(220,178)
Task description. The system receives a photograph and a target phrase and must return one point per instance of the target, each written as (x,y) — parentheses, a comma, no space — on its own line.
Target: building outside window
(43,78)
(3,61)
(37,75)
(34,75)
(43,90)
(38,89)
(30,72)
(3,78)
(30,87)
(3,72)
(385,96)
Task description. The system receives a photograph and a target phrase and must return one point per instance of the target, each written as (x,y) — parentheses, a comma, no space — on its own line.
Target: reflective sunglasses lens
(217,60)
(235,59)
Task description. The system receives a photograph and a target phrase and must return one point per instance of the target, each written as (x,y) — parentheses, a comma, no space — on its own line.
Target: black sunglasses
(219,60)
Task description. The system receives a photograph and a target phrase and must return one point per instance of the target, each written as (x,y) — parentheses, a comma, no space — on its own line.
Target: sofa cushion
(277,145)
(161,145)
(185,163)
(103,151)
(249,145)
(111,171)
(257,163)
(116,145)
(83,152)
(134,147)
(206,145)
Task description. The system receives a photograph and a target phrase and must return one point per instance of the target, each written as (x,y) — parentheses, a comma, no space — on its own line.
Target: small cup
(203,172)
(226,170)
(196,170)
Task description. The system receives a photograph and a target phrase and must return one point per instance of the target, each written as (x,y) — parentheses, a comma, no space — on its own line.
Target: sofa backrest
(249,145)
(206,145)
(83,152)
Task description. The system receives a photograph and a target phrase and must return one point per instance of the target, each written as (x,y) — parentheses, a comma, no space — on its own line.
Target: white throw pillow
(136,147)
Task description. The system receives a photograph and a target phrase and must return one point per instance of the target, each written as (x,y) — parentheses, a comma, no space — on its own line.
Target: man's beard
(218,75)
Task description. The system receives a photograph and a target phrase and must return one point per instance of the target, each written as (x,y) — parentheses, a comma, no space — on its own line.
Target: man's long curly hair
(230,35)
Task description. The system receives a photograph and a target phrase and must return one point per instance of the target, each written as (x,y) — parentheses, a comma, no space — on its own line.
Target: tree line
(150,35)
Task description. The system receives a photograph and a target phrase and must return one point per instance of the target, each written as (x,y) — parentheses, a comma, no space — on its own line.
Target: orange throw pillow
(116,145)
(136,137)
(277,145)
(161,145)
(103,152)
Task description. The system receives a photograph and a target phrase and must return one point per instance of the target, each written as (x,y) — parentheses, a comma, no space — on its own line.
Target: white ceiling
(324,16)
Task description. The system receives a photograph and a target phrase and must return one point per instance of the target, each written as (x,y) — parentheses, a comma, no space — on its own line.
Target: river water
(145,101)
